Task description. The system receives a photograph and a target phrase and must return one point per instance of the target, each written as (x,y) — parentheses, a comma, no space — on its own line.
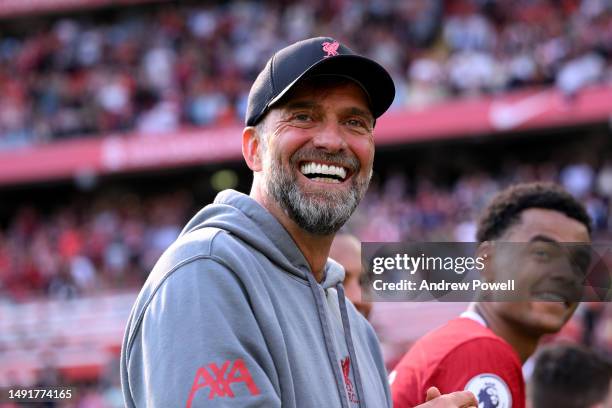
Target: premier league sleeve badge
(490,390)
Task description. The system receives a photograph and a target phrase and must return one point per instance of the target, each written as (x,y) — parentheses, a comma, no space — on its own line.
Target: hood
(246,219)
(240,215)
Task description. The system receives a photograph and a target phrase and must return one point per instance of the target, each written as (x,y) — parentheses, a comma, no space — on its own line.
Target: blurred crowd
(85,248)
(112,241)
(164,67)
(390,213)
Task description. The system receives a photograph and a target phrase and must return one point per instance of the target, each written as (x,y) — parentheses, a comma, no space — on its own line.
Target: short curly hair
(506,207)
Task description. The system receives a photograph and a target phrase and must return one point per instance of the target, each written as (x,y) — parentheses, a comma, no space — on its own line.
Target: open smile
(565,292)
(324,172)
(550,296)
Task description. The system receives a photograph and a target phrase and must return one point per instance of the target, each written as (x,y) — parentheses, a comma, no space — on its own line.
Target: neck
(522,342)
(315,248)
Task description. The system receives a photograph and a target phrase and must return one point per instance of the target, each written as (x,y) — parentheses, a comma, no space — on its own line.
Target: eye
(541,254)
(357,123)
(302,117)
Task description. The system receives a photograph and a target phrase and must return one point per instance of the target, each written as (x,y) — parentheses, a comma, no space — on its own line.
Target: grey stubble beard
(323,213)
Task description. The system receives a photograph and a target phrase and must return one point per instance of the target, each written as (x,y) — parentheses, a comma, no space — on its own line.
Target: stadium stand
(115,126)
(160,68)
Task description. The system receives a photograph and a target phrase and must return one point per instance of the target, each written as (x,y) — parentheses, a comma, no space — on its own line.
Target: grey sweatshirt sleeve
(196,343)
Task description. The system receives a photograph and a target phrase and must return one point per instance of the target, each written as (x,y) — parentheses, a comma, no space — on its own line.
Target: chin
(550,317)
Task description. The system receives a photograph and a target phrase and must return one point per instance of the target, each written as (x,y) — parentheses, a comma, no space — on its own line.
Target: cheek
(531,277)
(514,310)
(290,142)
(519,269)
(550,315)
(526,276)
(363,148)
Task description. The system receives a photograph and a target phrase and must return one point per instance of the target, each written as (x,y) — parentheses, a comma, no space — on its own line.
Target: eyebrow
(544,238)
(313,105)
(360,112)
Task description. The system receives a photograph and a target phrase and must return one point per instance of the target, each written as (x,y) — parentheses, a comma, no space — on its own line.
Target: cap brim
(368,74)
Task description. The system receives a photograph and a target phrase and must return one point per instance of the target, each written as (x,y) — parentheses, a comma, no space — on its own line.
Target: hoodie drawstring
(331,353)
(349,344)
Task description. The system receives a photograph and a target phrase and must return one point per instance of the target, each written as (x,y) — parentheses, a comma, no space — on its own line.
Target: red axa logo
(346,370)
(218,380)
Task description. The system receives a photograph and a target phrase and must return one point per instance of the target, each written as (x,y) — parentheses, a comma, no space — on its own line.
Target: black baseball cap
(317,56)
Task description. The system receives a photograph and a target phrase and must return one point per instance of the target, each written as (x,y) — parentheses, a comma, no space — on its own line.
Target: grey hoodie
(231,316)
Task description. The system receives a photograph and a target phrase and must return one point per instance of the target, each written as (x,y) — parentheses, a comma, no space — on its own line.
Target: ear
(486,253)
(250,148)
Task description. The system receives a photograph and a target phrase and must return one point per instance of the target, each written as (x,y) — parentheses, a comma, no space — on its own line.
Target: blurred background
(119,119)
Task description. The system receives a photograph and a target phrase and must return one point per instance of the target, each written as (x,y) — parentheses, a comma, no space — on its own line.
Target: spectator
(346,250)
(569,376)
(183,65)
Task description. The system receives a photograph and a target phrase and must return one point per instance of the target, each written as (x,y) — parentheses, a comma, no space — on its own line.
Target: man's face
(543,269)
(346,250)
(318,153)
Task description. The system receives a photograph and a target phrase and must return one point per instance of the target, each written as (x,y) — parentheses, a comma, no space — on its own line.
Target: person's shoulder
(207,243)
(456,332)
(188,272)
(183,251)
(487,366)
(462,354)
(464,335)
(486,351)
(480,361)
(465,329)
(449,340)
(435,360)
(190,262)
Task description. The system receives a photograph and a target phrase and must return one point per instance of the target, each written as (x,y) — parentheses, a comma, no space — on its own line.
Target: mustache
(343,159)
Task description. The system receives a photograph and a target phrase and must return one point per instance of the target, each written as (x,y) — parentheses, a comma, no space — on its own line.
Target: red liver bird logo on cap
(331,48)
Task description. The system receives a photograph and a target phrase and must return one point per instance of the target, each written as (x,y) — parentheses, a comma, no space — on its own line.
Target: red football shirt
(461,355)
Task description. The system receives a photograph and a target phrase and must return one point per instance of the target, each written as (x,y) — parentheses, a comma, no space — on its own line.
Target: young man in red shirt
(483,350)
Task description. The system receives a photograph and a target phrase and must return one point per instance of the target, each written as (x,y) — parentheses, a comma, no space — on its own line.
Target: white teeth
(317,168)
(326,180)
(551,297)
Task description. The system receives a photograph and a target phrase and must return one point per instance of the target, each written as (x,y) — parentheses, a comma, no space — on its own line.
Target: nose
(330,138)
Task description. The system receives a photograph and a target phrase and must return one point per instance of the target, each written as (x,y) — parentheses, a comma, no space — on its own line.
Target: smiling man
(245,309)
(524,234)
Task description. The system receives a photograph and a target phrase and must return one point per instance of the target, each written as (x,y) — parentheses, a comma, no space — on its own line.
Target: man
(245,309)
(483,350)
(346,250)
(570,376)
